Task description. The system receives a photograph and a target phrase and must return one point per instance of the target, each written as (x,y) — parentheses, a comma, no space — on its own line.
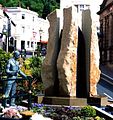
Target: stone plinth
(39,99)
(98,101)
(67,58)
(69,101)
(73,101)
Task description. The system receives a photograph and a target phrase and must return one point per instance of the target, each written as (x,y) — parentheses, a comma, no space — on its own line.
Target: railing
(107,78)
(18,80)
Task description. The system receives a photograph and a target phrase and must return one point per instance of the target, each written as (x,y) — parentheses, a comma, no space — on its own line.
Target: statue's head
(16,54)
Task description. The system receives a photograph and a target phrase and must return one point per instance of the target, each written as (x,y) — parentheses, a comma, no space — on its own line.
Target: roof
(87,2)
(19,9)
(105,5)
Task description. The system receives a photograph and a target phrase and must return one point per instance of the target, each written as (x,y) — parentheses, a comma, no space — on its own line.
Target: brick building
(106,32)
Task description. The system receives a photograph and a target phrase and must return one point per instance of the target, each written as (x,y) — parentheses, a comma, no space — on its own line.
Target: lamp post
(40,32)
(4,31)
(9,28)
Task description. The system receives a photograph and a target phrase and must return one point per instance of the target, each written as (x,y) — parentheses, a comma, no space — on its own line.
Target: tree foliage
(42,7)
(3,60)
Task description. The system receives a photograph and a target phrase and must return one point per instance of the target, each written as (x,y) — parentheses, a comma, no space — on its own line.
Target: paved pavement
(103,88)
(107,69)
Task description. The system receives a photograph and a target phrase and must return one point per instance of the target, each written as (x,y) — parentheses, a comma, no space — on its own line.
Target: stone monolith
(49,69)
(90,34)
(67,58)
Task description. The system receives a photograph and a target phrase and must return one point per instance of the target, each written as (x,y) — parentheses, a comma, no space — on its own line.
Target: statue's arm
(22,74)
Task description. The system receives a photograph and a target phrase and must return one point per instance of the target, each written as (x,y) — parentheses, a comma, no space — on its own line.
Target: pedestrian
(12,71)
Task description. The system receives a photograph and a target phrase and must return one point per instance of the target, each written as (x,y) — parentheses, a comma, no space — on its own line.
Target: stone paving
(107,69)
(103,88)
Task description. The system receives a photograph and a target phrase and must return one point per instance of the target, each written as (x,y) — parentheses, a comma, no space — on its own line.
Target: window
(22,44)
(15,16)
(23,16)
(87,6)
(33,18)
(77,8)
(32,44)
(81,6)
(28,43)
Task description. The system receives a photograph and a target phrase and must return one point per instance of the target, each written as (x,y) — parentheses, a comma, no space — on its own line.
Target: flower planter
(3,118)
(24,118)
(12,113)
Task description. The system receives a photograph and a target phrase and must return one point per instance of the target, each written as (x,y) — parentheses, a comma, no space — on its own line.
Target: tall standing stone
(49,68)
(92,51)
(94,62)
(67,59)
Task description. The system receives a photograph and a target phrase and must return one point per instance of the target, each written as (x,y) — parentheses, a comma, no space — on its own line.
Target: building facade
(106,31)
(29,30)
(80,4)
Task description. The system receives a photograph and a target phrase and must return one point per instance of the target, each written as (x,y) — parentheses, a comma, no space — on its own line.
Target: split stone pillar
(49,69)
(92,55)
(94,60)
(67,58)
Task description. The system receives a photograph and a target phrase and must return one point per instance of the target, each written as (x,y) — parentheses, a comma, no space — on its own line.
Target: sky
(95,5)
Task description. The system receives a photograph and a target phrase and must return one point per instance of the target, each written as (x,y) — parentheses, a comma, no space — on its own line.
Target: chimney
(27,8)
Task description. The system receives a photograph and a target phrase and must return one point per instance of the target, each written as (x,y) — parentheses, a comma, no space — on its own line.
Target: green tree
(10,3)
(42,7)
(3,60)
(36,5)
(36,65)
(49,6)
(46,8)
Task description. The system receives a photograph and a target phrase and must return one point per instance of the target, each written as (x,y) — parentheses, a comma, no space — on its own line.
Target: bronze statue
(12,70)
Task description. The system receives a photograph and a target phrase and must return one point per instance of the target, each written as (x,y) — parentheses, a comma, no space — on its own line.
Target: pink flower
(11,113)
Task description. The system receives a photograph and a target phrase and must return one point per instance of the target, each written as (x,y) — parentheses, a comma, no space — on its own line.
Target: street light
(9,28)
(40,32)
(4,31)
